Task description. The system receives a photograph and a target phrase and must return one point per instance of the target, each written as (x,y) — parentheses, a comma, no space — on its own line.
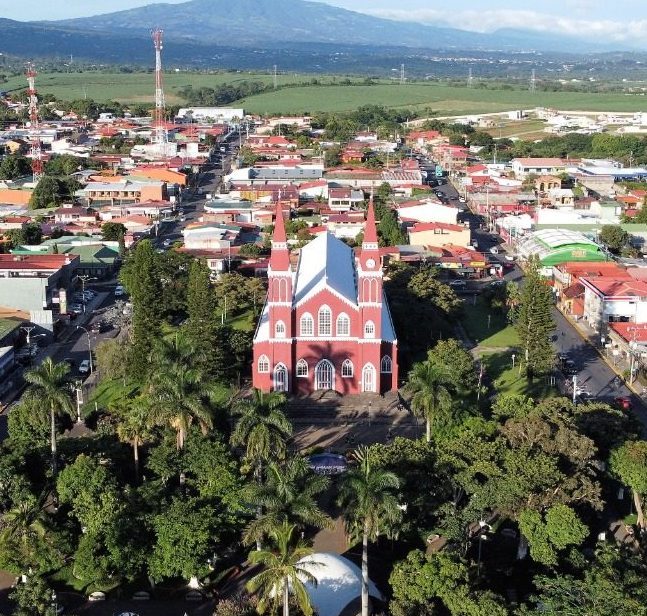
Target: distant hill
(263,23)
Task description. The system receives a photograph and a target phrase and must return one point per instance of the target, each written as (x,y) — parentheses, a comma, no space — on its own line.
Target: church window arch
(306,325)
(343,325)
(325,321)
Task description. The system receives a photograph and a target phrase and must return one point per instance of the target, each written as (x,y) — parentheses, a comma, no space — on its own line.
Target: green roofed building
(556,246)
(97,258)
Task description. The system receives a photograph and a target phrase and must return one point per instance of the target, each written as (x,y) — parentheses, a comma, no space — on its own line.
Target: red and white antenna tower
(160,134)
(36,151)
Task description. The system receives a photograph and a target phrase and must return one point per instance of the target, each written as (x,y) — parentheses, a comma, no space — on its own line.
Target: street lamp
(484,527)
(83,278)
(87,333)
(54,602)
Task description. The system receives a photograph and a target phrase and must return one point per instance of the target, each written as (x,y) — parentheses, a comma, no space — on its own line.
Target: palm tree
(282,574)
(370,505)
(134,424)
(23,531)
(431,398)
(179,396)
(179,393)
(262,428)
(288,495)
(48,387)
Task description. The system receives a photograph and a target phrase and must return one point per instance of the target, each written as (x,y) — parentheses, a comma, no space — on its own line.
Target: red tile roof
(630,331)
(35,262)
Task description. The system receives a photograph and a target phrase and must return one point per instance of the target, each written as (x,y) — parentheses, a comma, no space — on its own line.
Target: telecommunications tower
(36,152)
(160,134)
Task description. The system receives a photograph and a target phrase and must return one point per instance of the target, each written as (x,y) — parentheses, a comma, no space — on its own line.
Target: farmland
(331,96)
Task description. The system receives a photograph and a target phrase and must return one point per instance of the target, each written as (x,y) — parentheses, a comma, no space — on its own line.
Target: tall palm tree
(49,388)
(180,396)
(367,494)
(262,428)
(23,531)
(282,574)
(134,424)
(288,494)
(431,399)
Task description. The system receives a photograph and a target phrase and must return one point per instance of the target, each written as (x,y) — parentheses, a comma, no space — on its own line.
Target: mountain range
(298,35)
(268,22)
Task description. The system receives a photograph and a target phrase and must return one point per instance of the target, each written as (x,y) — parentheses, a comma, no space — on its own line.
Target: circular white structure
(339,581)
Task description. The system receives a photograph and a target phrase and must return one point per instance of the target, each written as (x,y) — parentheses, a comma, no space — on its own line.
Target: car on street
(458,284)
(84,367)
(509,257)
(119,291)
(166,243)
(494,250)
(75,308)
(569,367)
(623,403)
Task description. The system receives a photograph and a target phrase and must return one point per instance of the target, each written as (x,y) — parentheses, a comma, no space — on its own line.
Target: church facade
(326,325)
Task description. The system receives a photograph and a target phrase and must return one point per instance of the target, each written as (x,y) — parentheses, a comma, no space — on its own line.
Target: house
(326,325)
(348,225)
(210,236)
(439,234)
(607,300)
(344,199)
(523,167)
(122,191)
(427,210)
(68,213)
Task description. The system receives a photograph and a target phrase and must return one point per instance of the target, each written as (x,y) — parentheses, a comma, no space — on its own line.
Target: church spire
(280,258)
(370,229)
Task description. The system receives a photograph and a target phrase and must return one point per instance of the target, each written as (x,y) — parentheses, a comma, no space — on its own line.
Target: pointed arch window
(368,378)
(343,325)
(307,325)
(347,369)
(263,364)
(369,329)
(386,365)
(280,378)
(325,321)
(302,368)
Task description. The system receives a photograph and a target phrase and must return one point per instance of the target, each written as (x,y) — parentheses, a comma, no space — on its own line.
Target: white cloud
(491,20)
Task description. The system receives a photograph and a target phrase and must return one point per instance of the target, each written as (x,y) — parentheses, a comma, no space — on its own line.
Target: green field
(139,87)
(443,100)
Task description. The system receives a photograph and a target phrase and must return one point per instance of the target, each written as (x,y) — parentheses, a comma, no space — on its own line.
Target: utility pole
(575,389)
(28,329)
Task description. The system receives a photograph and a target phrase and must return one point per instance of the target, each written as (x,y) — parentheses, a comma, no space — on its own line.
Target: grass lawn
(488,328)
(245,321)
(507,380)
(108,392)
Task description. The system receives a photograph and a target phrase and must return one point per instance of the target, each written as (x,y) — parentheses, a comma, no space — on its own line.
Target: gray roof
(326,262)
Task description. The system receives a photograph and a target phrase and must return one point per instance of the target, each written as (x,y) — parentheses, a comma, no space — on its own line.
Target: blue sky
(615,20)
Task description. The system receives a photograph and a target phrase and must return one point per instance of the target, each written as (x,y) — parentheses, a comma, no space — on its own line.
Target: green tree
(629,463)
(185,534)
(134,425)
(558,529)
(179,394)
(110,359)
(14,166)
(612,585)
(140,278)
(32,598)
(46,194)
(458,362)
(422,583)
(112,231)
(535,323)
(614,237)
(428,383)
(367,494)
(202,324)
(261,428)
(282,574)
(49,389)
(288,494)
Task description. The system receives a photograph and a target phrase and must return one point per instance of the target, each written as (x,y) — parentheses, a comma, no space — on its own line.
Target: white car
(509,257)
(84,367)
(494,250)
(119,290)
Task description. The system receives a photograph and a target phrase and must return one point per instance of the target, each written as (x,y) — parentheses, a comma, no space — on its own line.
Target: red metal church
(327,325)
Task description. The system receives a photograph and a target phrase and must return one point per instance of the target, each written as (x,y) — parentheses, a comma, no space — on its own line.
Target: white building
(607,300)
(428,211)
(215,114)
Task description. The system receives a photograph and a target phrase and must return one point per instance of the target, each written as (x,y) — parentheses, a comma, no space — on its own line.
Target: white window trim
(368,334)
(302,362)
(322,310)
(307,316)
(266,362)
(386,359)
(346,318)
(279,329)
(347,362)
